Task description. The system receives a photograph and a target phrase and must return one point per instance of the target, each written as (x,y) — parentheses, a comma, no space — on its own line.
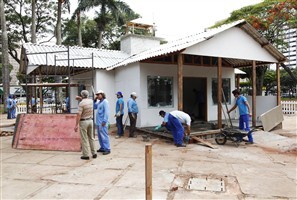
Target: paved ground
(265,170)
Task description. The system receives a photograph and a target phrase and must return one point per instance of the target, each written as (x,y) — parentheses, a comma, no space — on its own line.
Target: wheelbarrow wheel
(221,139)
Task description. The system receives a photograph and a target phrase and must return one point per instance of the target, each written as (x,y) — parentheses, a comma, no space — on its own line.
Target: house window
(160,91)
(226,89)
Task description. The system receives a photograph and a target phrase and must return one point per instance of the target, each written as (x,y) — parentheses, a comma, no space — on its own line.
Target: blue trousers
(176,128)
(244,125)
(103,137)
(9,113)
(13,112)
(119,121)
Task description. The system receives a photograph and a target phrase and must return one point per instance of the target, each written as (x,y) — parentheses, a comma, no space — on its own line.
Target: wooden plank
(204,142)
(158,133)
(203,133)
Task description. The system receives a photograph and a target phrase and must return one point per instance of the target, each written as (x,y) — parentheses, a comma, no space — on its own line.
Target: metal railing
(289,107)
(46,108)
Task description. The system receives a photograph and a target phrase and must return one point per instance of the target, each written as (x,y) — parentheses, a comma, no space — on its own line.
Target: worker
(132,113)
(119,114)
(244,112)
(174,125)
(102,113)
(184,118)
(84,122)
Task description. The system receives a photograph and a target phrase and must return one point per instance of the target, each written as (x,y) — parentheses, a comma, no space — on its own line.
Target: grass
(289,99)
(1,108)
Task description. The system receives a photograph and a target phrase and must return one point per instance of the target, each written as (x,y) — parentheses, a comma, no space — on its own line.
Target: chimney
(134,44)
(140,36)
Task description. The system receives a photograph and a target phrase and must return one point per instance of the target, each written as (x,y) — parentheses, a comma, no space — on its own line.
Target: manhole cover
(207,184)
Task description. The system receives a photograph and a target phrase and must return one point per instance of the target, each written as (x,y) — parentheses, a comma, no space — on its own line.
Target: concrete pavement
(265,170)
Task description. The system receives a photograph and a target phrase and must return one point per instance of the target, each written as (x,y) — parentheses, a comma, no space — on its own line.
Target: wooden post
(40,92)
(278,84)
(219,74)
(254,110)
(148,172)
(180,81)
(237,81)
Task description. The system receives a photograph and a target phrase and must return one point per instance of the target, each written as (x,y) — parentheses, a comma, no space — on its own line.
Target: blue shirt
(132,106)
(9,102)
(166,117)
(33,101)
(240,102)
(119,102)
(102,112)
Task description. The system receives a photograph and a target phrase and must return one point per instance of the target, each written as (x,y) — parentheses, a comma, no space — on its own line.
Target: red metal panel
(46,132)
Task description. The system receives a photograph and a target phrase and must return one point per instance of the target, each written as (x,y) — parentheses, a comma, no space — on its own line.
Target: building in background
(290,37)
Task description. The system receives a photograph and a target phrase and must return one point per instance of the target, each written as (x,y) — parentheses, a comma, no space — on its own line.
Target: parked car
(20,92)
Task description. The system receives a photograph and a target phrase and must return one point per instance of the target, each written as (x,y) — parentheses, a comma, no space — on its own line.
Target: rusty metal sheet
(46,132)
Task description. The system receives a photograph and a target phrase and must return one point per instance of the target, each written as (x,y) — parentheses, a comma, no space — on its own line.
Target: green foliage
(18,17)
(286,81)
(109,21)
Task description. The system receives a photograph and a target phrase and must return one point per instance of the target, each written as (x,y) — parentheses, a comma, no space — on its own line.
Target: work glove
(157,128)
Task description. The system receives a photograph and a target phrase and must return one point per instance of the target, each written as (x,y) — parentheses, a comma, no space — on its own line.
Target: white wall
(150,116)
(103,80)
(127,80)
(232,43)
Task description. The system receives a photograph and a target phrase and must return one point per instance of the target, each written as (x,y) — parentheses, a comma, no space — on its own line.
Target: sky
(176,19)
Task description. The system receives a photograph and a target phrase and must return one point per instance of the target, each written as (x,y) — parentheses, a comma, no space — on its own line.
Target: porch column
(180,81)
(254,110)
(40,91)
(237,81)
(278,85)
(219,74)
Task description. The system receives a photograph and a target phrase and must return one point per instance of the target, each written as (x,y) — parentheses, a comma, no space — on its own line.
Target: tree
(4,60)
(108,9)
(19,19)
(33,24)
(89,31)
(58,30)
(269,18)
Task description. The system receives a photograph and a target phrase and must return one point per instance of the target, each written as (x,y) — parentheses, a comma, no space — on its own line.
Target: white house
(166,76)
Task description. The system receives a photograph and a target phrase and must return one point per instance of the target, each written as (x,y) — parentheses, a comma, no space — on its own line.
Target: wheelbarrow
(231,134)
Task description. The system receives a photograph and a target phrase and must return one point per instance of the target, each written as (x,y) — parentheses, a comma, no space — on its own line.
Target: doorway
(195,97)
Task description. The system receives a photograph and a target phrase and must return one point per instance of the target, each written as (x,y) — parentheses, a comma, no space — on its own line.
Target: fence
(289,107)
(46,108)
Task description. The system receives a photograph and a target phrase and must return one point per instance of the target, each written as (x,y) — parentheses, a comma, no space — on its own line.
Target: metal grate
(207,184)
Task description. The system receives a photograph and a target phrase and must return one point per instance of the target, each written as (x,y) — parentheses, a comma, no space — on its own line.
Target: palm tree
(33,25)
(5,61)
(108,8)
(58,31)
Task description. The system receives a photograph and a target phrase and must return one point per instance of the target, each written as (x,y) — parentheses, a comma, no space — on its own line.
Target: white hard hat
(134,94)
(100,92)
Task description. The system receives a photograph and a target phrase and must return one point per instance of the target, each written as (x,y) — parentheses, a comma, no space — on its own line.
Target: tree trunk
(99,44)
(79,41)
(59,26)
(5,59)
(288,70)
(33,25)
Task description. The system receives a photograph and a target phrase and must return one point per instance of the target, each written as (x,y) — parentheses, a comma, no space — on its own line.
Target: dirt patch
(291,151)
